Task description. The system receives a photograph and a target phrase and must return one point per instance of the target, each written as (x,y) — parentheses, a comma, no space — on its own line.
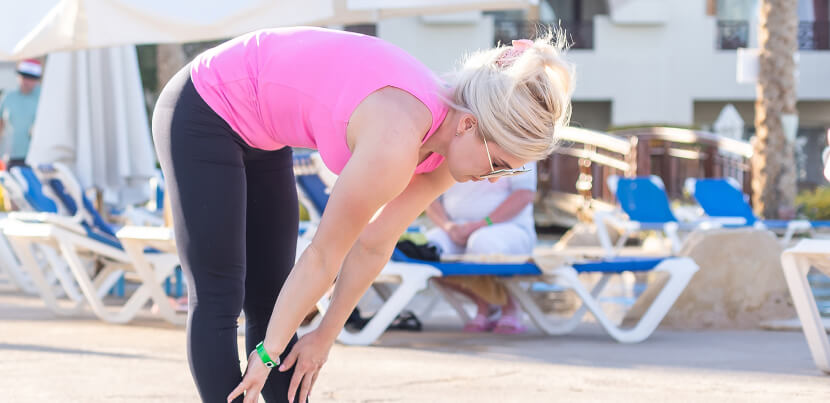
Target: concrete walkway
(43,358)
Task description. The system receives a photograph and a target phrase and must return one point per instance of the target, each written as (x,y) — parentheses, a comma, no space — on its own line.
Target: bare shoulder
(391,113)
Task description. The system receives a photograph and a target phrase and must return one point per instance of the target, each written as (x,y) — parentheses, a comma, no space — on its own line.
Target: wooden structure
(585,159)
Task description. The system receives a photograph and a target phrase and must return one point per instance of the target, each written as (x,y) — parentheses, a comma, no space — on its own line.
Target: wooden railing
(574,177)
(577,172)
(677,154)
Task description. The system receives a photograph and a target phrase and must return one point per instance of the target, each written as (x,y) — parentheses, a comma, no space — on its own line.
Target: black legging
(236,215)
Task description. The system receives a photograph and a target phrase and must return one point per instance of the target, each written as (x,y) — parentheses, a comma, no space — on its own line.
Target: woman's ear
(466,123)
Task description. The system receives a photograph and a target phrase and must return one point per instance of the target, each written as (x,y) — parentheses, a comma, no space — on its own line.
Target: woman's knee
(500,238)
(485,241)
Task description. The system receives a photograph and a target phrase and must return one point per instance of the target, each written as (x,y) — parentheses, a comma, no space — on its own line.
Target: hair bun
(520,94)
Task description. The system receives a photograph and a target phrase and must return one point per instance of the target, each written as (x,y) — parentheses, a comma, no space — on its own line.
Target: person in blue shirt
(17,112)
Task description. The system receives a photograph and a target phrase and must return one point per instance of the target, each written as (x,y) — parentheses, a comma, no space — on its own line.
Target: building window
(735,17)
(733,34)
(579,34)
(814,35)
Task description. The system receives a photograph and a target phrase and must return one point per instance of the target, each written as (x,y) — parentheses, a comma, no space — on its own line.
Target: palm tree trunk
(773,165)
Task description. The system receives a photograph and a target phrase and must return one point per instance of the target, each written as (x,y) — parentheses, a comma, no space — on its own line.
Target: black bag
(421,252)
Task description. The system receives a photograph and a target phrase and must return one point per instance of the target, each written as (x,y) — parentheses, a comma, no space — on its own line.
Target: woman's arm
(384,156)
(385,136)
(375,174)
(374,247)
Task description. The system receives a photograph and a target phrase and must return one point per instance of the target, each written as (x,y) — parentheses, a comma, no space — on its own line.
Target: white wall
(439,43)
(652,70)
(653,73)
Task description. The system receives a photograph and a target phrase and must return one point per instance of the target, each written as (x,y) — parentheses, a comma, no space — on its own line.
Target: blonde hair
(519,97)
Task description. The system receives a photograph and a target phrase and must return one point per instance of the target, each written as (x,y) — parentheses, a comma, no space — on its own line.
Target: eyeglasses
(501,172)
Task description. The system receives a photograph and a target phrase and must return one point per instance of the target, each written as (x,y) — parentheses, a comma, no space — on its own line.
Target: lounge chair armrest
(719,222)
(615,220)
(688,213)
(161,238)
(137,216)
(146,233)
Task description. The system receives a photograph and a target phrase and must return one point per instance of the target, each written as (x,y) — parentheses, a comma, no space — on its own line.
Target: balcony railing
(733,34)
(580,34)
(812,35)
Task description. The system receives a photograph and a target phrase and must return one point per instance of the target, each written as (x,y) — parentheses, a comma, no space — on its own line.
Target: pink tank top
(298,87)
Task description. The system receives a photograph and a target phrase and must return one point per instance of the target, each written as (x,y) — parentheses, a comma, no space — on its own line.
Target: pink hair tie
(522,44)
(519,47)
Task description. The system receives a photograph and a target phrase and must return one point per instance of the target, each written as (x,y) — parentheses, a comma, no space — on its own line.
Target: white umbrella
(729,123)
(44,26)
(365,11)
(92,118)
(397,8)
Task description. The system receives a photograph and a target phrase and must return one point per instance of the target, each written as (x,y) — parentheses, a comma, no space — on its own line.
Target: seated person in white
(486,218)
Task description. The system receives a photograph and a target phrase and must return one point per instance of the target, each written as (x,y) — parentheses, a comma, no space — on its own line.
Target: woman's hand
(253,381)
(472,226)
(464,231)
(458,234)
(307,356)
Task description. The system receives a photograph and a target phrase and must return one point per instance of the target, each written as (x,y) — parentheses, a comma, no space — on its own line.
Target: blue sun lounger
(646,207)
(722,197)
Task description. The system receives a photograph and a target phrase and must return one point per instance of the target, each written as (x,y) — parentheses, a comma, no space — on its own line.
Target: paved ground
(43,358)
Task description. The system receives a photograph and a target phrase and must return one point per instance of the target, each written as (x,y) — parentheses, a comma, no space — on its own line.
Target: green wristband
(266,359)
(488,220)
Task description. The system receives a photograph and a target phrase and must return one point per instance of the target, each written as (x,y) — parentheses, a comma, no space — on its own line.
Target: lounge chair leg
(61,272)
(564,276)
(454,301)
(23,250)
(679,272)
(411,282)
(14,271)
(795,272)
(426,313)
(70,253)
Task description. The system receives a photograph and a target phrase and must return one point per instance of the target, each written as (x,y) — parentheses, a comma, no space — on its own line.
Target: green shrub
(815,203)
